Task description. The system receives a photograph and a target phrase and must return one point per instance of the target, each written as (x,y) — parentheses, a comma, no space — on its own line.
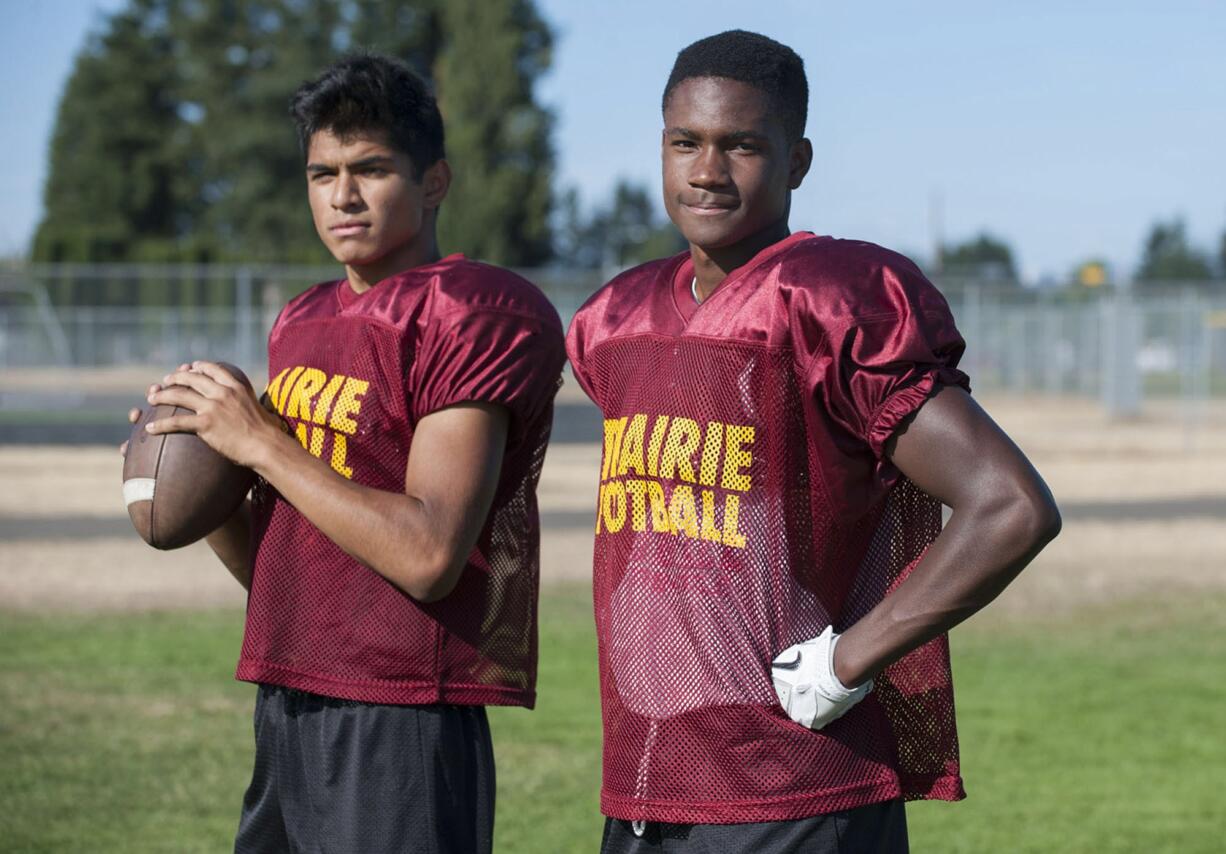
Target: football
(176,487)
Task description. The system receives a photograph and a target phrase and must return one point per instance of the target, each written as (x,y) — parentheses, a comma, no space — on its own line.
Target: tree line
(172,143)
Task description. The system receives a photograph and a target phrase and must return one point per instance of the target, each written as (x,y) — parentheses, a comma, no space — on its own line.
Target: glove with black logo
(808,690)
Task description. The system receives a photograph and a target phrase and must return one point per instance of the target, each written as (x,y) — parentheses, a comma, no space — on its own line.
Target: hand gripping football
(176,487)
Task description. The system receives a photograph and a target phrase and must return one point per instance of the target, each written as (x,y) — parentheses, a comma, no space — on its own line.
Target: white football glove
(808,689)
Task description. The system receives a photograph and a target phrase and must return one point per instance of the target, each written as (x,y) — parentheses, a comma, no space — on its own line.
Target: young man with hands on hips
(784,417)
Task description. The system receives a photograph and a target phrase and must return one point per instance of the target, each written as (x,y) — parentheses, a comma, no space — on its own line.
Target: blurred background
(1056,169)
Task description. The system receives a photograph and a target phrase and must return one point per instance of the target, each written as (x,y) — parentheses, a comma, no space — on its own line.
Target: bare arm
(418,540)
(232,544)
(1003,515)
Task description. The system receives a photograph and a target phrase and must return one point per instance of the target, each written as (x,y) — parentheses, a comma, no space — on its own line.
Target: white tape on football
(138,489)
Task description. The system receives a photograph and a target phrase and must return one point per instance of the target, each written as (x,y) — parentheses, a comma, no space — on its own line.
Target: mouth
(349,229)
(707,209)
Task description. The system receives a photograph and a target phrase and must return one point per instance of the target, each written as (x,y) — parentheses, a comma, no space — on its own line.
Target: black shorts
(874,829)
(341,776)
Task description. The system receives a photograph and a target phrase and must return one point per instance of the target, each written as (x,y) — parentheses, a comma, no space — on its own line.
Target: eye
(746,147)
(684,144)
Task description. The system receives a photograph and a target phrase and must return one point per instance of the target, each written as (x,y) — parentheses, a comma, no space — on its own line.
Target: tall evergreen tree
(173,141)
(111,191)
(241,60)
(497,136)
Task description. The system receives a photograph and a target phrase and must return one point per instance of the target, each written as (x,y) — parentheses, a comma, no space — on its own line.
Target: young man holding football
(390,548)
(783,420)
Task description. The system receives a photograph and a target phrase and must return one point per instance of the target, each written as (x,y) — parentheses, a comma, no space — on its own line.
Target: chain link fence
(1120,346)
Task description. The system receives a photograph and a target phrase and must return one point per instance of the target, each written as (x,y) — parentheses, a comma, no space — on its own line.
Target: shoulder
(317,300)
(464,287)
(854,280)
(627,295)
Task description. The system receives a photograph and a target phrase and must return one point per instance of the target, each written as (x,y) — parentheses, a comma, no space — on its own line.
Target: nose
(345,192)
(710,169)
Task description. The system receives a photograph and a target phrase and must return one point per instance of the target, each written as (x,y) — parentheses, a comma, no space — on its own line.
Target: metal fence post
(243,317)
(1121,340)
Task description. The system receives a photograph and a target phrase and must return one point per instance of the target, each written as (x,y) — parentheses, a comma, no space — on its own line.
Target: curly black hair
(368,92)
(754,59)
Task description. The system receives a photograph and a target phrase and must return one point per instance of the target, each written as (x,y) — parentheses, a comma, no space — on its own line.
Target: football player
(391,543)
(784,417)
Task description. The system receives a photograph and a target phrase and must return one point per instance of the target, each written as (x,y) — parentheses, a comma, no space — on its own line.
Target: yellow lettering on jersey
(614,506)
(349,403)
(637,490)
(324,401)
(732,515)
(735,458)
(679,448)
(613,428)
(661,523)
(340,450)
(709,531)
(283,391)
(710,454)
(317,441)
(631,454)
(299,403)
(681,509)
(661,450)
(653,445)
(301,432)
(274,389)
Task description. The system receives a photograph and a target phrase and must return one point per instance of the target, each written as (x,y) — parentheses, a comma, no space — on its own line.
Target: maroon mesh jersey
(352,374)
(744,505)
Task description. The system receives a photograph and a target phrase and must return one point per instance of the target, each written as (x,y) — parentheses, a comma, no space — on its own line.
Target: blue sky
(1064,128)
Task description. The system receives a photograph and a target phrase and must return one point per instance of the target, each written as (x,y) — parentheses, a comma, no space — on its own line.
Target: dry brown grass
(1084,457)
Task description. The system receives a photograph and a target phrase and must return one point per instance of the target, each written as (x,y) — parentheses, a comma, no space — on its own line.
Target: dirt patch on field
(1143,504)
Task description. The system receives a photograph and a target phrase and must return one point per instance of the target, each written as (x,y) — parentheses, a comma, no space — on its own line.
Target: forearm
(978,553)
(389,532)
(232,544)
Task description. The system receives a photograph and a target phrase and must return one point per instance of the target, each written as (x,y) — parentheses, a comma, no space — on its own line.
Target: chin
(353,256)
(709,238)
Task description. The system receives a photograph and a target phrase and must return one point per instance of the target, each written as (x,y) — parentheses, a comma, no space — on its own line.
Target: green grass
(1095,732)
(1098,732)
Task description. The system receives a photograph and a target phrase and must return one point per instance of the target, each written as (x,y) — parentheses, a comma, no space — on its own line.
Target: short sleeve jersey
(745,503)
(353,375)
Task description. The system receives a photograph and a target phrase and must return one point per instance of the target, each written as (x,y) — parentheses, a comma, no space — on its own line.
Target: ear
(435,184)
(800,158)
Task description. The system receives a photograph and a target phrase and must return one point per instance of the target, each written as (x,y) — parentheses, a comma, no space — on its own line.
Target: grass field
(1096,732)
(1091,696)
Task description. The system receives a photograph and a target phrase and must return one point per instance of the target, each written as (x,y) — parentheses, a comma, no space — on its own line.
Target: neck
(712,266)
(418,252)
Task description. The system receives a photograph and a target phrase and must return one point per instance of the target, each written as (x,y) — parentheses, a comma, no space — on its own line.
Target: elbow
(1035,519)
(1045,521)
(431,577)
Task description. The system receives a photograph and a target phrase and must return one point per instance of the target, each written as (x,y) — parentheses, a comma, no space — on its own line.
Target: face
(728,165)
(368,208)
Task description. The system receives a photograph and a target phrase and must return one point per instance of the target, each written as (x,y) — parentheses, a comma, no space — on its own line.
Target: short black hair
(751,58)
(367,92)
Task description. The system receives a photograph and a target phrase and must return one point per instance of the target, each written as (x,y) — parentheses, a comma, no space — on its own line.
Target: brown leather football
(177,488)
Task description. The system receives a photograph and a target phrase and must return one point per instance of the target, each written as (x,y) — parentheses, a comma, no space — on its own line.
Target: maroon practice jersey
(746,503)
(353,374)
